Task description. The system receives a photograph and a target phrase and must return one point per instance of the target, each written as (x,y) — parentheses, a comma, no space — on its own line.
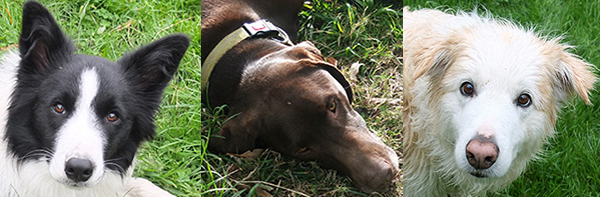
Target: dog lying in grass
(285,96)
(481,96)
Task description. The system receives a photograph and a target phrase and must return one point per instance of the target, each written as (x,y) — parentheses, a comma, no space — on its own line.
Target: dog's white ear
(574,75)
(42,42)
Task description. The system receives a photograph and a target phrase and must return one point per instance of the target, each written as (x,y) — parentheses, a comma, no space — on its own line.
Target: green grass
(362,31)
(111,28)
(570,165)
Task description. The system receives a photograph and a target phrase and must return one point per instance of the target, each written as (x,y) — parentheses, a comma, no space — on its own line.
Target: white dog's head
(499,89)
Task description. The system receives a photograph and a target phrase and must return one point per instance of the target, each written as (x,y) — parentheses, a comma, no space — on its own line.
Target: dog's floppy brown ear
(434,62)
(311,52)
(441,61)
(573,75)
(338,77)
(237,136)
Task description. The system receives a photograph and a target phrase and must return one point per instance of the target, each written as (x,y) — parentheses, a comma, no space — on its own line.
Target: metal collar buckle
(265,29)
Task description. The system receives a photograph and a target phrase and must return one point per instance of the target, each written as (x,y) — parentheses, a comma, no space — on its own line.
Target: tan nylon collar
(260,28)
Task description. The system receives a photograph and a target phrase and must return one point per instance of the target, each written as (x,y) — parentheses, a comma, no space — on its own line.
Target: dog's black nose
(79,170)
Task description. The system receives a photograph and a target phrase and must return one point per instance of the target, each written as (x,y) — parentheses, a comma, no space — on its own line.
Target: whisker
(43,154)
(110,162)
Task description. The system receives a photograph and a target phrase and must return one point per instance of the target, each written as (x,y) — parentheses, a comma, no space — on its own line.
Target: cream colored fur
(502,60)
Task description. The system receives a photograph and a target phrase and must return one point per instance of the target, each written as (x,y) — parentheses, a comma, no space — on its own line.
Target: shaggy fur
(503,61)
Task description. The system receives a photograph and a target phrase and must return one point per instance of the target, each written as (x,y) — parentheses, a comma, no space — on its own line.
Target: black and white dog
(71,124)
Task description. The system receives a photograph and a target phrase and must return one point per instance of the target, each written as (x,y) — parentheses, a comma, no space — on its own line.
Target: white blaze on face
(80,136)
(486,131)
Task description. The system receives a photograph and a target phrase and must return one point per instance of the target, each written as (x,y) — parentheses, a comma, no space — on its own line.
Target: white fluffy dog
(481,96)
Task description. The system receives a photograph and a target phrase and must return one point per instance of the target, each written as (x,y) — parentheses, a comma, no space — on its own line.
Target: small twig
(274,185)
(250,174)
(8,12)
(170,26)
(129,37)
(392,101)
(126,25)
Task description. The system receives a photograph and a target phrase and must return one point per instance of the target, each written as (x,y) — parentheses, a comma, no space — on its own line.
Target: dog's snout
(387,171)
(482,152)
(79,170)
(380,176)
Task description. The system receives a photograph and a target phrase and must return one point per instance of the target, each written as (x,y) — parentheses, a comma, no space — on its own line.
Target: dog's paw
(139,187)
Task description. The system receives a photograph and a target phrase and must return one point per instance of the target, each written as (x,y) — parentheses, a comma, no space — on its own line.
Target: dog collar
(257,29)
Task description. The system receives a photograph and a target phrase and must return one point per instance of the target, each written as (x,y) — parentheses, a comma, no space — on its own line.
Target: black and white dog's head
(84,115)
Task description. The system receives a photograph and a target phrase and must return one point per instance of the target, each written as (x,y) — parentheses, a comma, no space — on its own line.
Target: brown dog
(287,97)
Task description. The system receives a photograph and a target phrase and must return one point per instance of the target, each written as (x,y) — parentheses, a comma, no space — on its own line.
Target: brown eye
(467,89)
(331,106)
(303,151)
(59,108)
(112,117)
(524,100)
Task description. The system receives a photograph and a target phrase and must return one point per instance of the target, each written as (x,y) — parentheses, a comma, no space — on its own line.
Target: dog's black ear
(42,43)
(148,71)
(151,67)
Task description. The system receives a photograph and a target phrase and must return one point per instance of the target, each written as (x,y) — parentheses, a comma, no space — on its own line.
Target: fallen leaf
(354,69)
(251,154)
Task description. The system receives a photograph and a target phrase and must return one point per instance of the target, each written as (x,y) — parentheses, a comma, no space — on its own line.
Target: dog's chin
(483,174)
(76,185)
(479,174)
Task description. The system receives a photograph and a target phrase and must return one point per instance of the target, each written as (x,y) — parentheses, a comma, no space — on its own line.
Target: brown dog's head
(296,103)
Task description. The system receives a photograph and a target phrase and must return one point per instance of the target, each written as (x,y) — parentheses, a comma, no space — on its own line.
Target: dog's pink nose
(482,152)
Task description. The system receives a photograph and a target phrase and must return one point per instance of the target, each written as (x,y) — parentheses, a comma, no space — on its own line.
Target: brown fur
(278,97)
